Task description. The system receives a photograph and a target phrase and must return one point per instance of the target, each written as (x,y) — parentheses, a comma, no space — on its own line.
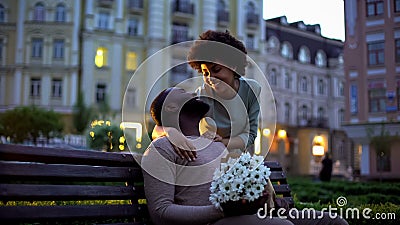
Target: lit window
(100,93)
(2,14)
(35,87)
(58,51)
(37,47)
(39,12)
(60,13)
(131,61)
(56,88)
(101,57)
(104,18)
(376,53)
(304,55)
(374,7)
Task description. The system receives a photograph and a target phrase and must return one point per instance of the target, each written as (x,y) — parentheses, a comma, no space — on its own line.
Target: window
(180,33)
(37,47)
(2,14)
(383,160)
(397,43)
(252,17)
(353,99)
(303,84)
(374,7)
(273,44)
(131,61)
(304,55)
(272,77)
(60,13)
(56,88)
(1,48)
(341,89)
(286,51)
(321,113)
(398,95)
(133,27)
(100,93)
(287,80)
(58,52)
(321,87)
(104,18)
(35,87)
(341,116)
(101,57)
(135,4)
(250,43)
(287,112)
(397,5)
(376,54)
(304,112)
(131,98)
(39,12)
(222,12)
(320,59)
(377,100)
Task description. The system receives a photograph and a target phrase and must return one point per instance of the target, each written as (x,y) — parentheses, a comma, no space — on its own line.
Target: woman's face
(220,78)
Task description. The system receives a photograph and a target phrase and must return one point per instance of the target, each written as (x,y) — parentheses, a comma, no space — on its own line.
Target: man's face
(179,101)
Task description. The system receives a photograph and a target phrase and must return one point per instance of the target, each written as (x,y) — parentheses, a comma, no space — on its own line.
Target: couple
(177,190)
(177,179)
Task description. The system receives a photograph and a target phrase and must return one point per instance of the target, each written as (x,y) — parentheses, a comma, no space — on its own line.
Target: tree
(29,123)
(82,114)
(106,137)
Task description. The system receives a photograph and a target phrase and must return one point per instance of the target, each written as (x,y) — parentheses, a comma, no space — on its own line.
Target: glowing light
(318,150)
(257,143)
(108,123)
(91,133)
(121,147)
(282,134)
(138,127)
(121,139)
(266,132)
(318,139)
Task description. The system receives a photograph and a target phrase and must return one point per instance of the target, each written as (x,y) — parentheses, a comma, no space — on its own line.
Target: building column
(209,15)
(2,90)
(74,88)
(114,92)
(241,19)
(26,85)
(88,82)
(45,89)
(365,158)
(75,33)
(17,87)
(65,91)
(156,19)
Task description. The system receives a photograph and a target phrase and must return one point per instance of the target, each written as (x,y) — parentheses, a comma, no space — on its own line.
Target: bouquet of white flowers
(239,179)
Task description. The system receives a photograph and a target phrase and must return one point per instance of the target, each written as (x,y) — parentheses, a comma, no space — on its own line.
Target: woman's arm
(183,147)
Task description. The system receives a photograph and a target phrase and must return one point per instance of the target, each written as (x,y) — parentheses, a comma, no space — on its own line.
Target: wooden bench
(37,174)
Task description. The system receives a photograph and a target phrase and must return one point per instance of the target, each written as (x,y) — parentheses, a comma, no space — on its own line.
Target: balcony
(313,122)
(135,6)
(183,7)
(252,20)
(105,3)
(223,17)
(180,34)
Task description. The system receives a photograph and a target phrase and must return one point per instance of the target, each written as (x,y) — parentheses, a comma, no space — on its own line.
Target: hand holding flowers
(238,186)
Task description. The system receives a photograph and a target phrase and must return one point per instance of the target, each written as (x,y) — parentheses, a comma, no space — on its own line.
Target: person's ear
(171,107)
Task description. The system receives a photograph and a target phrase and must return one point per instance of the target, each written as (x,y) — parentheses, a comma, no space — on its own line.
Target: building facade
(305,71)
(372,69)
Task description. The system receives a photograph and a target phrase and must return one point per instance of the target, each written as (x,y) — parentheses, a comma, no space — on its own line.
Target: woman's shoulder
(251,84)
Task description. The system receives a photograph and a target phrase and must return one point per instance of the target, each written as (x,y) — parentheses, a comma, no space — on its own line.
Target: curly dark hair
(208,49)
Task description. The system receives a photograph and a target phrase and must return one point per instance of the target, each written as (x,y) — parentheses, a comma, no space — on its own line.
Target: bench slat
(78,212)
(273,165)
(278,176)
(282,189)
(35,192)
(28,171)
(65,156)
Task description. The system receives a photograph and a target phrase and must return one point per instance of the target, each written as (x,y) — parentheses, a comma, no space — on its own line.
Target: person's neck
(189,125)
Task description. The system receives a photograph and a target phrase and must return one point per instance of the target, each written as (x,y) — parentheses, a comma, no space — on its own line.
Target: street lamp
(318,146)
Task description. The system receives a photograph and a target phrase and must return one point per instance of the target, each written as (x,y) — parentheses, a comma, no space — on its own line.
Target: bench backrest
(50,174)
